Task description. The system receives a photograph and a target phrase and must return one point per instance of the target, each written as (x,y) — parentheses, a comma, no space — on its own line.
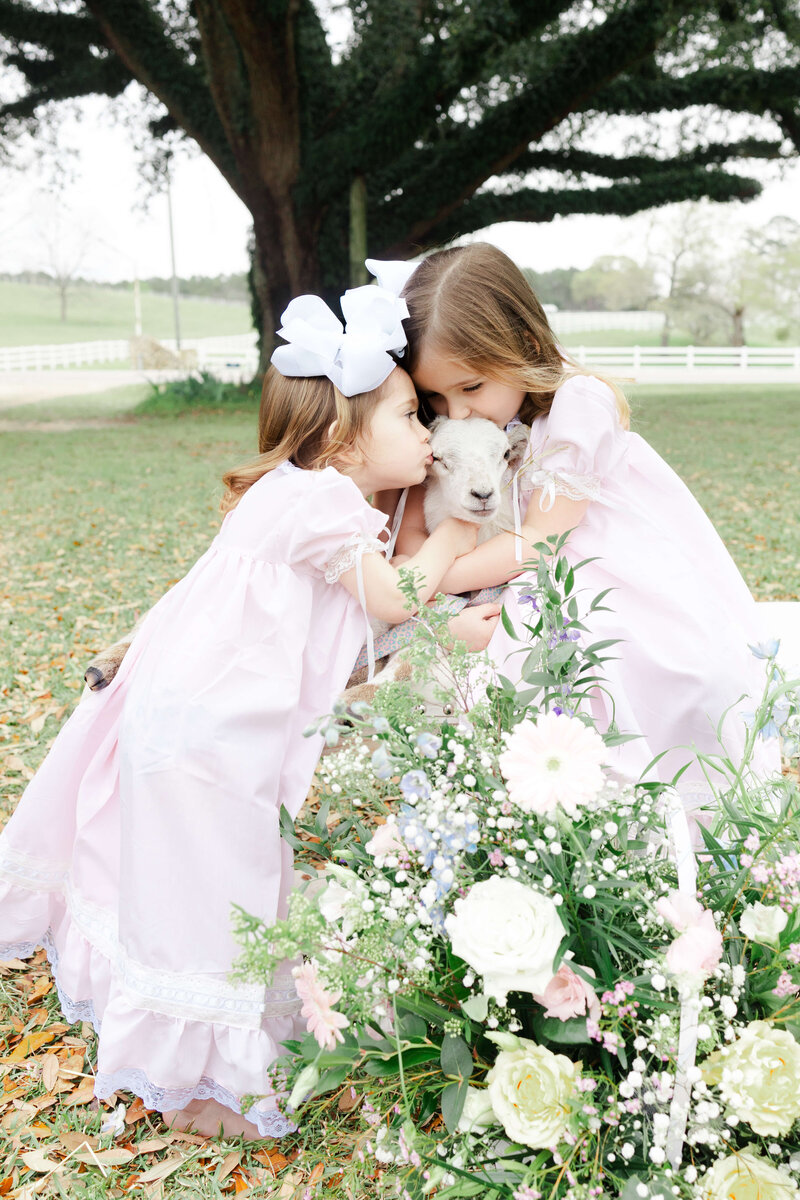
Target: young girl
(157,807)
(480,346)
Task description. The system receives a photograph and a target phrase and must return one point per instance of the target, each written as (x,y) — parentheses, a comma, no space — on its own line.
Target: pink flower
(321,1019)
(385,840)
(680,909)
(698,950)
(496,859)
(554,761)
(567,995)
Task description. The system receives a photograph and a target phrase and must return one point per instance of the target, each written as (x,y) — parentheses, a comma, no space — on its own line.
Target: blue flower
(428,744)
(415,783)
(381,763)
(380,724)
(766,649)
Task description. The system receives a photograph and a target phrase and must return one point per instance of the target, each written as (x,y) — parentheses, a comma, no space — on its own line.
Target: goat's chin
(480,517)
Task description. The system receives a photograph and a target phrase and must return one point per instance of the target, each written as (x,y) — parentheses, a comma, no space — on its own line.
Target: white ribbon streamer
(681,838)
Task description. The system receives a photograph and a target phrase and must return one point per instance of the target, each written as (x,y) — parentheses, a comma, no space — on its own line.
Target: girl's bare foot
(207,1117)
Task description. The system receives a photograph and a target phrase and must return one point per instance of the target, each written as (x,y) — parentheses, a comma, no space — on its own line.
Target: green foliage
(200,391)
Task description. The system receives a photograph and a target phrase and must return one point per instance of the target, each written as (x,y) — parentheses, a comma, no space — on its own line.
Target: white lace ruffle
(25,870)
(131,1079)
(270,1123)
(349,554)
(563,483)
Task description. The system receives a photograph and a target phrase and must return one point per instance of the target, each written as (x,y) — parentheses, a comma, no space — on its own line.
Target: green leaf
(566,1033)
(453,1099)
(412,1027)
(411,1058)
(456,1057)
(476,1007)
(423,1007)
(331,1080)
(508,624)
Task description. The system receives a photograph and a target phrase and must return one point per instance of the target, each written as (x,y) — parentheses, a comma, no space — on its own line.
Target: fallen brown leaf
(30,1043)
(83,1094)
(50,1068)
(228,1164)
(37,1160)
(161,1170)
(73,1141)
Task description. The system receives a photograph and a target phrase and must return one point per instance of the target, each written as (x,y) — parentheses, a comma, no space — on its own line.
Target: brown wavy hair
(306,421)
(475,306)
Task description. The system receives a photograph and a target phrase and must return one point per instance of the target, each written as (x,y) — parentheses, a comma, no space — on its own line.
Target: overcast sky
(112,233)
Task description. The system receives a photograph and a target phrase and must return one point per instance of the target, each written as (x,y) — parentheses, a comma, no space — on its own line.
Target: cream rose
(477,1114)
(530,1089)
(759,1078)
(507,932)
(343,899)
(763,923)
(746,1176)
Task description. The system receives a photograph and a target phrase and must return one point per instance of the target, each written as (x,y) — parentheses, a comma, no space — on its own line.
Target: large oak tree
(437,118)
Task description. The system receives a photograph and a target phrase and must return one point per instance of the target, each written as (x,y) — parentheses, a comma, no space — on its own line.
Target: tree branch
(134,30)
(620,199)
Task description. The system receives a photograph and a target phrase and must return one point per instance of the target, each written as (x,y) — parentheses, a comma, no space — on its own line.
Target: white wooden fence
(239,353)
(567,322)
(691,358)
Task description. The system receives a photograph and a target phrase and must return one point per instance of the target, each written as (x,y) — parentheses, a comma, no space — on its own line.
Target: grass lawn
(30,315)
(97,522)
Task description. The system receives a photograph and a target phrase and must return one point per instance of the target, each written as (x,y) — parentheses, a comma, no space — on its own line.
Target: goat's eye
(507,454)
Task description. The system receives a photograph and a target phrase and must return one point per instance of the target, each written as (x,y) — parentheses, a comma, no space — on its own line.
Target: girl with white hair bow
(158,806)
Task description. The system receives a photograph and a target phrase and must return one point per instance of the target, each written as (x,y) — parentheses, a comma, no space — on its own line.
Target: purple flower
(415,784)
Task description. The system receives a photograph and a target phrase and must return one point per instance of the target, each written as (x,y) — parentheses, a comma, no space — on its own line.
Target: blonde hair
(475,306)
(306,421)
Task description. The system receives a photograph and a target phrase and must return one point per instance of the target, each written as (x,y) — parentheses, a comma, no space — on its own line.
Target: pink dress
(679,604)
(157,807)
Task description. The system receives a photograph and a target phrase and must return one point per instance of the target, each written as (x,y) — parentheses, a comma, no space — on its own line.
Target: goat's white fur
(473,465)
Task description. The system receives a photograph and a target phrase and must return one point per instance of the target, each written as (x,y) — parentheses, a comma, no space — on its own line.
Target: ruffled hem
(162,1044)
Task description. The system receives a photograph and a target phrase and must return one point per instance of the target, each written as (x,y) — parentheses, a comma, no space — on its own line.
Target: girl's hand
(474,626)
(461,535)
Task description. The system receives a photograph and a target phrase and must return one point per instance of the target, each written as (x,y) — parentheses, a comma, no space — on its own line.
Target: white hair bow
(391,274)
(355,358)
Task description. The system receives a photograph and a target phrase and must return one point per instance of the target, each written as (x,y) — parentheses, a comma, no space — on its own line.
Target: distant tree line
(219,287)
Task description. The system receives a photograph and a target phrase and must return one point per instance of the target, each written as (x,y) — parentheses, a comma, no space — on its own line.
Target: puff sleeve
(334,525)
(580,446)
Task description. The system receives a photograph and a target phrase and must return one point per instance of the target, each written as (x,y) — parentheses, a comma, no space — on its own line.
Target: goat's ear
(437,422)
(518,438)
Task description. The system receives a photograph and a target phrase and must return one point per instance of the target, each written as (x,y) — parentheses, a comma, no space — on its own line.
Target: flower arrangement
(520,980)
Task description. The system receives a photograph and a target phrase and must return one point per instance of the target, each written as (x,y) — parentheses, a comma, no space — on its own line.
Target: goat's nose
(481,495)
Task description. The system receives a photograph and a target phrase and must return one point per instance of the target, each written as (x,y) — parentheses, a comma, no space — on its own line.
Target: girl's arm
(495,561)
(384,598)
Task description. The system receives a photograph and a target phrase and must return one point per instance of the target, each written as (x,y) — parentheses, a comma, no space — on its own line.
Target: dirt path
(28,387)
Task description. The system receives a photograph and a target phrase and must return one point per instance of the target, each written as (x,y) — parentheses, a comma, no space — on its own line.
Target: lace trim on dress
(563,483)
(271,1123)
(174,993)
(348,555)
(28,871)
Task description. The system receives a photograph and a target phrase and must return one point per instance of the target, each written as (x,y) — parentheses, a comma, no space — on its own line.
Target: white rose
(507,932)
(477,1114)
(343,899)
(746,1176)
(530,1089)
(759,1078)
(763,923)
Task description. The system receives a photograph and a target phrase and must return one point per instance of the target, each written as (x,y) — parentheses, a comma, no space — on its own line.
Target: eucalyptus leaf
(453,1099)
(456,1057)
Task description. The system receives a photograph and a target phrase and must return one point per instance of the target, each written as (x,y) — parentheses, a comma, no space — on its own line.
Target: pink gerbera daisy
(553,762)
(321,1018)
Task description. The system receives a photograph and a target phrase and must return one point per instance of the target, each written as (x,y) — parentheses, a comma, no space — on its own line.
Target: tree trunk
(284,264)
(737,318)
(666,329)
(62,295)
(358,231)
